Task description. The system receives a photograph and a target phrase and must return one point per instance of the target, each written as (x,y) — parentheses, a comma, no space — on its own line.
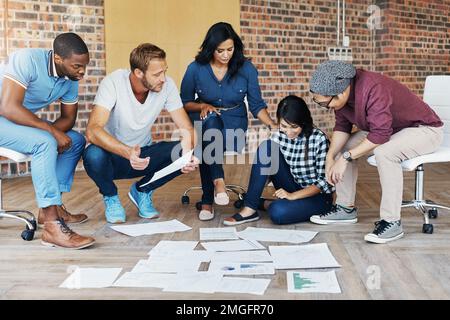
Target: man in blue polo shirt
(31,80)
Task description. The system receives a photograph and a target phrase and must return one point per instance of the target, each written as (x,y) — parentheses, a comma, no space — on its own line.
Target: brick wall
(34,24)
(286,39)
(415,41)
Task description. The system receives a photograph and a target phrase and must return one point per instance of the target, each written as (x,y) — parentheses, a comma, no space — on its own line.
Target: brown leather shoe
(67,216)
(58,234)
(71,218)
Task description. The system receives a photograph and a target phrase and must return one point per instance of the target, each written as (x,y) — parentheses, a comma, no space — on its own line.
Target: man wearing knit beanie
(394,124)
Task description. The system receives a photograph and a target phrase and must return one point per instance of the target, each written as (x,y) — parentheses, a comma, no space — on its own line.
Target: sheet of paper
(242,268)
(164,247)
(200,282)
(235,245)
(242,256)
(82,278)
(243,285)
(194,255)
(145,280)
(277,235)
(309,256)
(174,166)
(312,282)
(155,265)
(136,230)
(218,234)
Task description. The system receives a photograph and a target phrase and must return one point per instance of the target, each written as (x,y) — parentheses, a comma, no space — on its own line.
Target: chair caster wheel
(433,213)
(198,205)
(27,235)
(185,200)
(238,204)
(427,228)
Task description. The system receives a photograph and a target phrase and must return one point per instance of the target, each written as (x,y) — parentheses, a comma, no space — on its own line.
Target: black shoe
(238,219)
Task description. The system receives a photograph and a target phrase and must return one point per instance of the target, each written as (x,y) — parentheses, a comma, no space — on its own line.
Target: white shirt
(130,121)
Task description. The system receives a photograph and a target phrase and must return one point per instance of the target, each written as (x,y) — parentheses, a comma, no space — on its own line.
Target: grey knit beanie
(332,78)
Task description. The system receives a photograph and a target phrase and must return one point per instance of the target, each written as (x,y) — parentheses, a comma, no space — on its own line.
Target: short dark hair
(218,33)
(69,43)
(141,56)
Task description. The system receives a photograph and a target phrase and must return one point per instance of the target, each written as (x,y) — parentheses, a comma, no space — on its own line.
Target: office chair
(436,95)
(21,215)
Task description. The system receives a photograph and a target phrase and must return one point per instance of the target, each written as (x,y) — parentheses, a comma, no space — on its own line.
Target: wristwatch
(347,156)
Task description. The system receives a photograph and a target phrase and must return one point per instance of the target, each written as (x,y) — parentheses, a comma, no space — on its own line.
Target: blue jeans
(104,167)
(52,173)
(269,164)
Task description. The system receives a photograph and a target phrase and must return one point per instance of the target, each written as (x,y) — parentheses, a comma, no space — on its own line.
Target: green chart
(303,283)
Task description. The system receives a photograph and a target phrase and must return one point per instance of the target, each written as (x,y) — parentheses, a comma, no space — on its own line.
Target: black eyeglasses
(324,104)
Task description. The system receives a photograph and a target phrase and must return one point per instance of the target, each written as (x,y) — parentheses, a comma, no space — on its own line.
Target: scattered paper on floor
(85,278)
(277,235)
(309,256)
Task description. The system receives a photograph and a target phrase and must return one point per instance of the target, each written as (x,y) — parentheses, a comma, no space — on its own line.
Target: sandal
(238,219)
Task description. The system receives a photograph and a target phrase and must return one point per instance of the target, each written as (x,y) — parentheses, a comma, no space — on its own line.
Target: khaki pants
(405,144)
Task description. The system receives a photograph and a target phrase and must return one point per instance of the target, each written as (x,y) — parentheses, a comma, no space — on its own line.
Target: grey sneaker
(337,215)
(385,231)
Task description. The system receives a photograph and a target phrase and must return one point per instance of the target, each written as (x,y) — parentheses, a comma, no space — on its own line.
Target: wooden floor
(415,267)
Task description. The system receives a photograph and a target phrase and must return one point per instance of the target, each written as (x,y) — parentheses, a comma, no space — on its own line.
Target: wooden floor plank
(415,267)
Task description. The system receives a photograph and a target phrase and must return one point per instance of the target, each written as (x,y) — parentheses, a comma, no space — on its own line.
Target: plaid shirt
(311,171)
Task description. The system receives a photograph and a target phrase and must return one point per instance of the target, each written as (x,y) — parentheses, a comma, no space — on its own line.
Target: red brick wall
(34,24)
(286,39)
(415,41)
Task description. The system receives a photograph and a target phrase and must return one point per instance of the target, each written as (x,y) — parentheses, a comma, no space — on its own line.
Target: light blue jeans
(52,173)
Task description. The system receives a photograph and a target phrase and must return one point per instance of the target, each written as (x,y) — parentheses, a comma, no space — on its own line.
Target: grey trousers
(405,144)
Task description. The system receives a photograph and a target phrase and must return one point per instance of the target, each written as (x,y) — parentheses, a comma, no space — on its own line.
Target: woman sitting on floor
(294,160)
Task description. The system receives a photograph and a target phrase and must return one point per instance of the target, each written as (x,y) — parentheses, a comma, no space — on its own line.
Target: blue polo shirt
(34,70)
(199,80)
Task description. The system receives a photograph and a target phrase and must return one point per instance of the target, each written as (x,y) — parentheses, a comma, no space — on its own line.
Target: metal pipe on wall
(5,28)
(338,21)
(343,21)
